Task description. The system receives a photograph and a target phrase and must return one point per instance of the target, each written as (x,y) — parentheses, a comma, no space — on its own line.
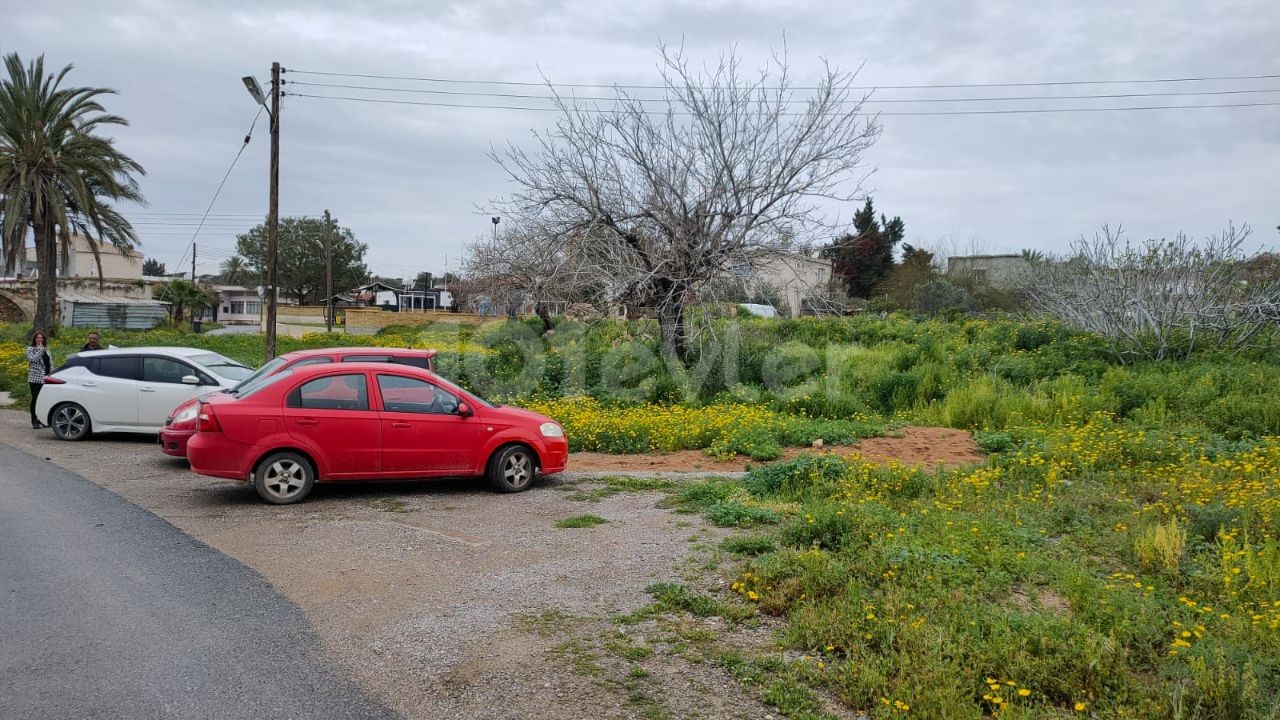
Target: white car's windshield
(223,366)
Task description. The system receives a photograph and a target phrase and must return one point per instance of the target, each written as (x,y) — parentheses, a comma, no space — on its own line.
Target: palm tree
(57,175)
(235,271)
(184,295)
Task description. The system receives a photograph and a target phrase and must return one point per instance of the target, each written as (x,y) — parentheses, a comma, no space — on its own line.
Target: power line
(1109,96)
(212,223)
(1005,111)
(207,210)
(148,213)
(934,86)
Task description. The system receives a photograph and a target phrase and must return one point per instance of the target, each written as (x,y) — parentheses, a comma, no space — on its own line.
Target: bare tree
(1160,299)
(672,192)
(529,259)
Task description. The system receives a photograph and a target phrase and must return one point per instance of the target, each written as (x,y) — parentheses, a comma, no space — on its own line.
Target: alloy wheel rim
(284,479)
(69,422)
(517,471)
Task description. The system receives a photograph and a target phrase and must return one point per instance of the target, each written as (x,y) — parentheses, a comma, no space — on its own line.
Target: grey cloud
(408,179)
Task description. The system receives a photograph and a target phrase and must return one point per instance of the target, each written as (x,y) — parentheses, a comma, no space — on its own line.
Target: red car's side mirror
(464,410)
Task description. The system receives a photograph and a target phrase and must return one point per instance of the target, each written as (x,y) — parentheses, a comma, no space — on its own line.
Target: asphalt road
(107,611)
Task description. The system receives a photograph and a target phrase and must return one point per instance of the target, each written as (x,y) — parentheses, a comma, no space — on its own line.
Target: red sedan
(181,423)
(368,421)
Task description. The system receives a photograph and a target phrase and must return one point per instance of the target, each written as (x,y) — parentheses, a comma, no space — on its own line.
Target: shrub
(795,478)
(675,596)
(985,402)
(748,545)
(939,295)
(732,513)
(824,526)
(702,495)
(1160,547)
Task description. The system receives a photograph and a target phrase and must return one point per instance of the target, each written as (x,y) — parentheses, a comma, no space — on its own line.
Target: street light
(251,84)
(495,220)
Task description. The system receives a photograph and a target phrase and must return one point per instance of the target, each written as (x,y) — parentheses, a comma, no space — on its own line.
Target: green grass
(596,490)
(581,521)
(1052,568)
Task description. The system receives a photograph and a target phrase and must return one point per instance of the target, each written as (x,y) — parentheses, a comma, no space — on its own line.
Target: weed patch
(581,521)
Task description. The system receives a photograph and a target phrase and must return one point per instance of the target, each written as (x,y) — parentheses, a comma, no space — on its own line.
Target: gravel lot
(428,593)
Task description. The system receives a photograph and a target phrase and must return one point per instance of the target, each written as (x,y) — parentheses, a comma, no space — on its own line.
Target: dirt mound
(916,446)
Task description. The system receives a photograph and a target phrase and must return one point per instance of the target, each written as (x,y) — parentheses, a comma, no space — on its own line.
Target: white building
(236,306)
(116,264)
(796,277)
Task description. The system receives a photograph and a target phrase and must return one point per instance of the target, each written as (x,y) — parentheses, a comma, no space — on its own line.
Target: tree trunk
(543,311)
(177,315)
(671,323)
(46,241)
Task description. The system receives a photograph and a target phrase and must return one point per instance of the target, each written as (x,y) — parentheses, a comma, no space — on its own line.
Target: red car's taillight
(50,380)
(208,420)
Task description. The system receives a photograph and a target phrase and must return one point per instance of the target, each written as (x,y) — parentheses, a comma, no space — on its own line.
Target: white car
(130,389)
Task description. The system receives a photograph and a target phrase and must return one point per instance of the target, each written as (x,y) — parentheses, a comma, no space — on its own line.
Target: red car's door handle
(307,422)
(400,425)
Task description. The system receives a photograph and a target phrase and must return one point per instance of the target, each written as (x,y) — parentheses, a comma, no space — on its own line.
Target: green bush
(796,478)
(937,296)
(731,513)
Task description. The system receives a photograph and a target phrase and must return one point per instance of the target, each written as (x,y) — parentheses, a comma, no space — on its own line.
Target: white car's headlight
(550,429)
(187,414)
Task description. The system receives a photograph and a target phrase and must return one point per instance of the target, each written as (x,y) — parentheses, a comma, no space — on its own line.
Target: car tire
(512,469)
(70,421)
(284,478)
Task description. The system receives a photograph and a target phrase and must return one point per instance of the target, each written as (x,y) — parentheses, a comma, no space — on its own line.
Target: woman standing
(39,364)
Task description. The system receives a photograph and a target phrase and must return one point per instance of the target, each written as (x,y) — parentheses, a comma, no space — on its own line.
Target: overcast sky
(408,179)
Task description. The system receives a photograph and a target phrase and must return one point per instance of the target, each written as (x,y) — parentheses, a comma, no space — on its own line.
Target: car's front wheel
(70,422)
(283,478)
(512,469)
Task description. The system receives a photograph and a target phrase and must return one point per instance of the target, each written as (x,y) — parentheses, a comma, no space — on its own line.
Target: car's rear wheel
(512,469)
(283,478)
(70,422)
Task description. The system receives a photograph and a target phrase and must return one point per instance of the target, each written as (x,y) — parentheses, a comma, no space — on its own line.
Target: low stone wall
(298,320)
(303,311)
(18,297)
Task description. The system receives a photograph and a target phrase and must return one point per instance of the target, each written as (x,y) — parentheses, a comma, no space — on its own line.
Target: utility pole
(193,261)
(328,272)
(273,212)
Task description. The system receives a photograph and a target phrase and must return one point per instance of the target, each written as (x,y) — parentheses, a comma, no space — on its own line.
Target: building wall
(1002,272)
(116,264)
(239,308)
(797,276)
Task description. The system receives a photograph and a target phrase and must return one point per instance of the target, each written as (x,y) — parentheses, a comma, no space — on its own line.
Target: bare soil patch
(926,446)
